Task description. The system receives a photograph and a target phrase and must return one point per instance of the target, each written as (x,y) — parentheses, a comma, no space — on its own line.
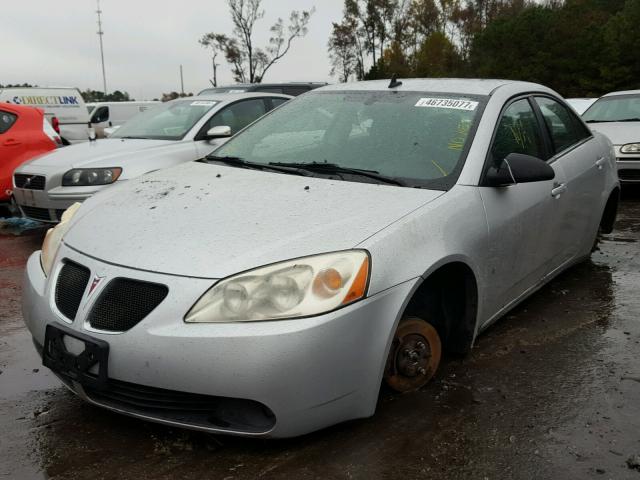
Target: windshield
(169,121)
(418,138)
(619,108)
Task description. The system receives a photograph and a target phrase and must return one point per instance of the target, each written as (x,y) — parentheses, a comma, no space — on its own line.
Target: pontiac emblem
(94,284)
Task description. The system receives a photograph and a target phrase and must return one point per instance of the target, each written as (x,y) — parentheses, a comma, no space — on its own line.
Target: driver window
(518,132)
(238,115)
(101,115)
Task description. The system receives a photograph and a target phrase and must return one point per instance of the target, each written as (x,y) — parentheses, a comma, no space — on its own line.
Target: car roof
(231,97)
(470,86)
(275,84)
(624,92)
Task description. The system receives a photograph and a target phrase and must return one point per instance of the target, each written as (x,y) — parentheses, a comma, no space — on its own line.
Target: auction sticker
(453,103)
(203,103)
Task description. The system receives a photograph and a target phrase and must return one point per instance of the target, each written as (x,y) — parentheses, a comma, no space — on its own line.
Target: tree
(97,96)
(343,51)
(622,47)
(249,63)
(216,43)
(437,57)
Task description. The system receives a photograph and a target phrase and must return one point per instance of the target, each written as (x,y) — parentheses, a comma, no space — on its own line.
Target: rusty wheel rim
(414,356)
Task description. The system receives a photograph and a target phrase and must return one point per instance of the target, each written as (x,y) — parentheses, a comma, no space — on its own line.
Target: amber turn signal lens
(359,287)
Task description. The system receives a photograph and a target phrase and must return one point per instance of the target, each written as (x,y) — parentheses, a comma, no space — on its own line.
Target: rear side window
(295,91)
(518,132)
(563,126)
(6,120)
(268,89)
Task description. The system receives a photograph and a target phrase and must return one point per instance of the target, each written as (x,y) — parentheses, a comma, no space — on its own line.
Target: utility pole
(100,34)
(181,82)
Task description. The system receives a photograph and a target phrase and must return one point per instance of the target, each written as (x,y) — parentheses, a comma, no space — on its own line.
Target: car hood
(620,133)
(108,152)
(212,221)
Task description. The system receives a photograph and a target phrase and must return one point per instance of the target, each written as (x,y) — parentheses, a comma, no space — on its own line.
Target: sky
(54,43)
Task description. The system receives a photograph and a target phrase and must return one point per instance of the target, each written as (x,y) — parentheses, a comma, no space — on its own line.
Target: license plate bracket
(76,367)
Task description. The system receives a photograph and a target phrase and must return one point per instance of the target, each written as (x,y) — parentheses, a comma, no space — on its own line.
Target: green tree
(622,48)
(437,57)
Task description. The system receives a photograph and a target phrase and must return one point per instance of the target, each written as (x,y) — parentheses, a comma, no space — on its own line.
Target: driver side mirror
(519,168)
(222,131)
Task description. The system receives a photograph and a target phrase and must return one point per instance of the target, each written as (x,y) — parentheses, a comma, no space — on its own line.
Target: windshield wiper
(335,168)
(242,163)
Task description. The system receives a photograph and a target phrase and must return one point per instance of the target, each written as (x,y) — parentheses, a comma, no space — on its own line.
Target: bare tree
(249,63)
(343,52)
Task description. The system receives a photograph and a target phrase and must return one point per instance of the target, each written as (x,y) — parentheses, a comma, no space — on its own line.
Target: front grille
(70,287)
(191,408)
(124,303)
(29,182)
(627,174)
(36,213)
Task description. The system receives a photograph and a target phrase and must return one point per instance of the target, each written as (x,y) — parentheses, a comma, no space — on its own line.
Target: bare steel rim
(414,356)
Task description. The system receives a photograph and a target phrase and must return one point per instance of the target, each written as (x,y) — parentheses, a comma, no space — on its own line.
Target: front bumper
(309,373)
(49,205)
(628,166)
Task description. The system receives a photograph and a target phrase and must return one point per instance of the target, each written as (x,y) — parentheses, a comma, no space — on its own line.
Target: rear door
(523,219)
(574,147)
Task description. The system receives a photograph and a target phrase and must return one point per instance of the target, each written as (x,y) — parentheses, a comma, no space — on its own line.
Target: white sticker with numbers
(454,103)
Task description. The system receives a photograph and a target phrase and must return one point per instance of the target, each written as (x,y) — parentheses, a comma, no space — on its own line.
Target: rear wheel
(414,356)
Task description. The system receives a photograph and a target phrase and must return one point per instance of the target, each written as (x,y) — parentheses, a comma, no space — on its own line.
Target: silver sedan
(617,115)
(175,132)
(345,239)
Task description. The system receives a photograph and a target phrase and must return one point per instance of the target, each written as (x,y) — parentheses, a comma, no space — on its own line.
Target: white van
(113,114)
(65,104)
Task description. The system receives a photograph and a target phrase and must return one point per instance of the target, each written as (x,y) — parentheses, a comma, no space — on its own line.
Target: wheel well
(610,212)
(448,299)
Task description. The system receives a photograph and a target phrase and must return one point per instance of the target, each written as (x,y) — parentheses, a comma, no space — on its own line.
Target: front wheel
(414,356)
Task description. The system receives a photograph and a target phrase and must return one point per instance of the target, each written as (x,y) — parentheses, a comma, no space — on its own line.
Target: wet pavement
(551,391)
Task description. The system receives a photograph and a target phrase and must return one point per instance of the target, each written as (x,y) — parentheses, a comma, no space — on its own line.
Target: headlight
(53,238)
(292,289)
(87,177)
(630,148)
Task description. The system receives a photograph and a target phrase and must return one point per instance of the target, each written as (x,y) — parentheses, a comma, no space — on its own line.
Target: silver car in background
(345,239)
(617,115)
(179,131)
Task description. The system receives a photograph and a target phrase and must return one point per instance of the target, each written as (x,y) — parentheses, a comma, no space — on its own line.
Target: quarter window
(238,115)
(564,128)
(6,120)
(518,132)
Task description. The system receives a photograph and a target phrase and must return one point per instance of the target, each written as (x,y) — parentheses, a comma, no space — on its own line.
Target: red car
(24,134)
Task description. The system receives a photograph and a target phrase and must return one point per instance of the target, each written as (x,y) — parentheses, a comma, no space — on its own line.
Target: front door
(523,219)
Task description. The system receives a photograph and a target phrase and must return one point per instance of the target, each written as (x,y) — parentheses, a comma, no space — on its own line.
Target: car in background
(65,104)
(24,134)
(293,88)
(347,238)
(114,114)
(178,131)
(617,115)
(580,104)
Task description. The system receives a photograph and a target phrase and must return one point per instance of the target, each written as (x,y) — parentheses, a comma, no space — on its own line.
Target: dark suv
(294,88)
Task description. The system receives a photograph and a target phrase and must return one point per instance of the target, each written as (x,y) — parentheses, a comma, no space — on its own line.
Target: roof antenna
(394,81)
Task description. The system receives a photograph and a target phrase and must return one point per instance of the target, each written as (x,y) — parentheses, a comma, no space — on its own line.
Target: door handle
(600,163)
(558,189)
(11,143)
